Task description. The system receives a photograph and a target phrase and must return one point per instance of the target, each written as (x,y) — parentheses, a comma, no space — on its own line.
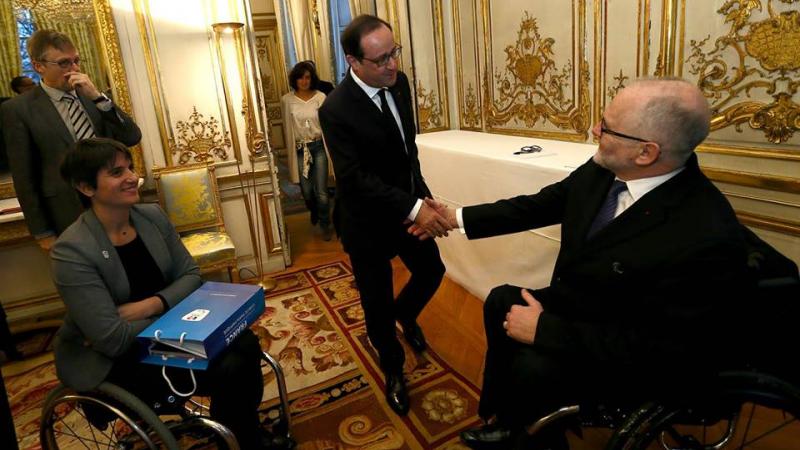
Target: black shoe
(487,437)
(327,233)
(414,336)
(396,394)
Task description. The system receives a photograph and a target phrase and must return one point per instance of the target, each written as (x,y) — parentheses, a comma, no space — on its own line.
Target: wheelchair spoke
(764,434)
(74,434)
(749,423)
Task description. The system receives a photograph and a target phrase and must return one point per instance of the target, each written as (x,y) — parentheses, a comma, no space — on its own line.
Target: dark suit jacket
(93,286)
(36,140)
(657,282)
(374,172)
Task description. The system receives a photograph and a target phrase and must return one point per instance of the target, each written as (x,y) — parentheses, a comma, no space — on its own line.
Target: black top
(144,276)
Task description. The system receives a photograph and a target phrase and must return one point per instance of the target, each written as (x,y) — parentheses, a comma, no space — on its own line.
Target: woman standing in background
(308,163)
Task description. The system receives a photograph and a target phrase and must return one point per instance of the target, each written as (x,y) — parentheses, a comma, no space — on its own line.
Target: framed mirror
(103,62)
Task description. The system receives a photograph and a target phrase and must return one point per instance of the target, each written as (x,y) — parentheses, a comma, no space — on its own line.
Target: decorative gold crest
(430,110)
(532,88)
(199,140)
(470,113)
(774,43)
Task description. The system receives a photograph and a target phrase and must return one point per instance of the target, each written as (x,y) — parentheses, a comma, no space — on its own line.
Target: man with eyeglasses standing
(652,264)
(368,125)
(42,124)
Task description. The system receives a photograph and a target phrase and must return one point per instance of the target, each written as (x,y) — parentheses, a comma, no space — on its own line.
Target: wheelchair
(754,404)
(111,417)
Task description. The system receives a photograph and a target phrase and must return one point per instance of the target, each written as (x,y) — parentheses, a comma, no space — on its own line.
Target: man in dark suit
(652,260)
(368,126)
(40,125)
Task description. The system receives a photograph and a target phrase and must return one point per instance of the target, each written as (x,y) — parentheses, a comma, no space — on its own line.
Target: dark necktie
(80,120)
(390,123)
(386,112)
(606,213)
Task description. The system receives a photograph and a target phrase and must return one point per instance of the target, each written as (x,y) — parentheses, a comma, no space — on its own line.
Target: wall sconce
(255,145)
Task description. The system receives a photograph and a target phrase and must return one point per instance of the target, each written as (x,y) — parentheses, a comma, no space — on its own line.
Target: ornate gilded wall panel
(274,78)
(627,46)
(745,56)
(465,27)
(536,72)
(429,79)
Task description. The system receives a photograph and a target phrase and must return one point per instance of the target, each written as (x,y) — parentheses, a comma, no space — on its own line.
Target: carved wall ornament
(614,90)
(274,112)
(429,109)
(199,140)
(532,88)
(774,45)
(256,142)
(470,113)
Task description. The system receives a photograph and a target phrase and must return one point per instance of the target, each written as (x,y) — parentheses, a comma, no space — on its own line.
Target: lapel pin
(105,254)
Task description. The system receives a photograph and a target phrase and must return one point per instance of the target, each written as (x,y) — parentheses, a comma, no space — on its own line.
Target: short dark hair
(18,82)
(361,25)
(44,39)
(85,159)
(299,70)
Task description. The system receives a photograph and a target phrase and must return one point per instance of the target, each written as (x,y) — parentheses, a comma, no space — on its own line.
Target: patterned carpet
(314,325)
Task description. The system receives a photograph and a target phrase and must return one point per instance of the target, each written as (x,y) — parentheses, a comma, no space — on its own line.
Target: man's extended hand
(447,214)
(521,321)
(430,222)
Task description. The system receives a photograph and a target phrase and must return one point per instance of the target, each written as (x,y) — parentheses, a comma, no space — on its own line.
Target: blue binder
(203,324)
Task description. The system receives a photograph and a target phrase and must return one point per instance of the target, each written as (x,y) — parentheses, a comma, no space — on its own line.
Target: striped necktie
(609,207)
(80,120)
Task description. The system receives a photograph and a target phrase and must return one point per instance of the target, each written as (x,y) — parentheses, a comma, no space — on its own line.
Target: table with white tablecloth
(464,168)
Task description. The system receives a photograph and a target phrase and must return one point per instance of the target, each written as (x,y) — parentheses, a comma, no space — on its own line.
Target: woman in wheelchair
(119,267)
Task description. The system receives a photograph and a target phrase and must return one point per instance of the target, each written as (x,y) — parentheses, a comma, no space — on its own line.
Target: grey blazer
(92,282)
(36,140)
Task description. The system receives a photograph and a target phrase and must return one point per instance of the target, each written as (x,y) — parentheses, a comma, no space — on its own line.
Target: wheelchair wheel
(750,411)
(108,417)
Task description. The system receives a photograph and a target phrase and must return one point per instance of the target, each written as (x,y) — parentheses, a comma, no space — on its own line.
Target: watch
(100,99)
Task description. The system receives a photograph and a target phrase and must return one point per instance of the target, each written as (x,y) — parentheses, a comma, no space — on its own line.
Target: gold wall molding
(144,23)
(531,88)
(429,109)
(199,140)
(469,111)
(109,41)
(765,51)
(273,245)
(782,226)
(429,80)
(761,181)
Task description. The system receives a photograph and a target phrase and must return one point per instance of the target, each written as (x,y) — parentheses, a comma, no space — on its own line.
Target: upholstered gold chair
(190,198)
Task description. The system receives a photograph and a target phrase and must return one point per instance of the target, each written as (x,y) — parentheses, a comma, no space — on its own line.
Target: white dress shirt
(62,106)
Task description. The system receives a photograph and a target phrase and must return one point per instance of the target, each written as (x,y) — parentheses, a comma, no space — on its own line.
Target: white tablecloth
(464,168)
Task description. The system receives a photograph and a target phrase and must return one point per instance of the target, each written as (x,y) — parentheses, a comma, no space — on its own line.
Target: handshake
(433,220)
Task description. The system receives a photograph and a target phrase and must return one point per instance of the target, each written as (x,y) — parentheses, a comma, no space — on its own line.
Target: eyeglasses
(604,129)
(528,149)
(65,63)
(384,60)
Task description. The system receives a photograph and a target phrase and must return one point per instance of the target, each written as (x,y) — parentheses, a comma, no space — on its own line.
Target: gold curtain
(84,36)
(10,60)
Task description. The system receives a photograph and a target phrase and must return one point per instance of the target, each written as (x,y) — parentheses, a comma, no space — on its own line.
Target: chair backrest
(190,197)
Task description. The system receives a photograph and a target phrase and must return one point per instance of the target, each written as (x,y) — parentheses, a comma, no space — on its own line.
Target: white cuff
(412,216)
